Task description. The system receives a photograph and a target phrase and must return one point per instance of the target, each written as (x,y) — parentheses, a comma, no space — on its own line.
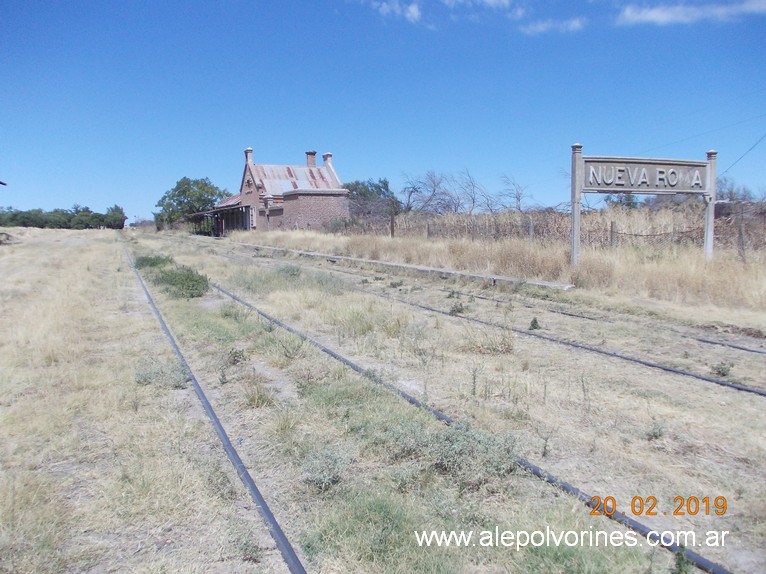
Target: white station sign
(653,176)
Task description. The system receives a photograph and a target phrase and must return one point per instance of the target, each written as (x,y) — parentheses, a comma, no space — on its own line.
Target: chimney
(327,158)
(311,158)
(249,155)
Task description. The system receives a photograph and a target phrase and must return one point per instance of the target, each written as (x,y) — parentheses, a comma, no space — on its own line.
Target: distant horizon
(113,103)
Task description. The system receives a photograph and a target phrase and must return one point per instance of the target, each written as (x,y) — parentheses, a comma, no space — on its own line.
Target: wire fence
(609,229)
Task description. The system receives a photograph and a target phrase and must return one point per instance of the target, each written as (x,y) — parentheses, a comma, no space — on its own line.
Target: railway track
(284,546)
(440,414)
(553,338)
(588,499)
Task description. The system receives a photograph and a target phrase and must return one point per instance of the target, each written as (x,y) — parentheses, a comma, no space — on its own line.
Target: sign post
(594,174)
(577,185)
(710,207)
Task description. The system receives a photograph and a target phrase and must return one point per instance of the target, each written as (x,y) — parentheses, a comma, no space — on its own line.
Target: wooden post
(741,236)
(710,208)
(578,176)
(613,234)
(531,229)
(392,223)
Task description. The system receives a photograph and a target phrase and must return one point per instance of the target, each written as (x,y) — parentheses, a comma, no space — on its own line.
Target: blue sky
(113,102)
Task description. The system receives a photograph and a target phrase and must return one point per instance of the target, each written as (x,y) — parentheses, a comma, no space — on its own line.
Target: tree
(434,193)
(510,198)
(628,200)
(727,189)
(58,219)
(188,196)
(83,218)
(470,191)
(372,200)
(115,217)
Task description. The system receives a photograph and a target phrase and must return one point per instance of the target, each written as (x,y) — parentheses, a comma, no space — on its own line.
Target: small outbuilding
(283,197)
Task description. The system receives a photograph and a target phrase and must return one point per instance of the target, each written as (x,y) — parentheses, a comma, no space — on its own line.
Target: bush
(289,270)
(144,261)
(323,469)
(160,372)
(473,456)
(181,282)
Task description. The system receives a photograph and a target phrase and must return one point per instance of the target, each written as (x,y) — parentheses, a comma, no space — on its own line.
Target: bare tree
(432,193)
(511,197)
(727,188)
(514,191)
(471,192)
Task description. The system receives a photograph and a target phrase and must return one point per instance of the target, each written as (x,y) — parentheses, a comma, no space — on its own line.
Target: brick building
(283,197)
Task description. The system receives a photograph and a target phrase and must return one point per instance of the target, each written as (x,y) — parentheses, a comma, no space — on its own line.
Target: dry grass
(340,458)
(608,427)
(347,486)
(676,274)
(102,467)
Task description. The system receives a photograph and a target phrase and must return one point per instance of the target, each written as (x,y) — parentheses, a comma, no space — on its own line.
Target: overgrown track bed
(664,347)
(595,503)
(106,462)
(291,559)
(607,427)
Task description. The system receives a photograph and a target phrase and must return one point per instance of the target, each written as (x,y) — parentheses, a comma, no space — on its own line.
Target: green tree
(30,218)
(372,200)
(7,215)
(628,200)
(188,196)
(58,219)
(83,218)
(115,217)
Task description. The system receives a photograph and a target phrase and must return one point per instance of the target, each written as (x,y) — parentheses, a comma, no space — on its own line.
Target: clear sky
(112,102)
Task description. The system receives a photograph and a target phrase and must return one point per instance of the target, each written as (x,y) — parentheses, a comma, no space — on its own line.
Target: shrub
(722,369)
(457,308)
(144,261)
(323,469)
(164,373)
(235,357)
(181,282)
(472,456)
(289,270)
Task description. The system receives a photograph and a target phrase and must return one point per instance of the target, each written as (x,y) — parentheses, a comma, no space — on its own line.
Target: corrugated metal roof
(231,201)
(279,179)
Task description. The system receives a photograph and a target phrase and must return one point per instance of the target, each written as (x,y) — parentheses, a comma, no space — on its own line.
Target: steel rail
(573,344)
(698,560)
(584,347)
(480,277)
(367,373)
(556,311)
(283,544)
(333,258)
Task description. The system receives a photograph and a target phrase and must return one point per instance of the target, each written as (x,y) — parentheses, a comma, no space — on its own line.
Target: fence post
(613,234)
(531,229)
(392,223)
(741,237)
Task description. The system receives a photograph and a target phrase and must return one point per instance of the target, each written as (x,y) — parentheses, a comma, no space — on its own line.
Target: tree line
(78,217)
(434,193)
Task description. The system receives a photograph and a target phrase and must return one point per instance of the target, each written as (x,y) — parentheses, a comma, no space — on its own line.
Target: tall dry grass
(675,274)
